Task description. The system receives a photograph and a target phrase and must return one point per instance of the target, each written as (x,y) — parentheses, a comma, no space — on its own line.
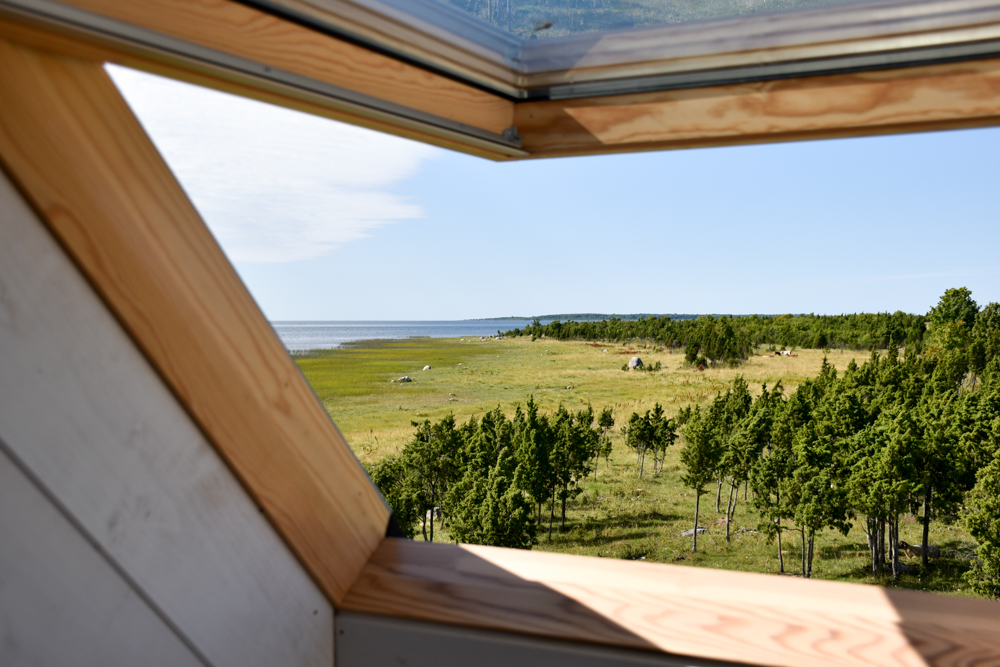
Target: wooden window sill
(687,611)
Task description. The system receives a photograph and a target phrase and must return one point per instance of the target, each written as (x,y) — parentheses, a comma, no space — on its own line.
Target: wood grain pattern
(751,618)
(239,30)
(87,417)
(420,40)
(96,48)
(905,100)
(75,149)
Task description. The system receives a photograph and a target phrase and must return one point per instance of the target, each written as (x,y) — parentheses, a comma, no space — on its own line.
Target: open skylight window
(557,49)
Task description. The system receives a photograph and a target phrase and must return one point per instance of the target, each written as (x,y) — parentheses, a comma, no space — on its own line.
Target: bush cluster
(918,435)
(489,478)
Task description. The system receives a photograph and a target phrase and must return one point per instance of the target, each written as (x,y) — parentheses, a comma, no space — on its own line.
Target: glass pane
(552,18)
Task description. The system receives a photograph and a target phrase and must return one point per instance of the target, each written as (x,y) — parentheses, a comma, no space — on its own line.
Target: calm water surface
(302,336)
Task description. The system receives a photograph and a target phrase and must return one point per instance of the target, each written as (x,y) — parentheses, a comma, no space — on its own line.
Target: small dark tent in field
(171,491)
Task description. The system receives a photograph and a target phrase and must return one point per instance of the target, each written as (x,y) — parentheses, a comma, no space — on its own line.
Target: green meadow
(619,514)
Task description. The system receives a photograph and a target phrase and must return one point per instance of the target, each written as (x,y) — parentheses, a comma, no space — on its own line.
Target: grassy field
(619,515)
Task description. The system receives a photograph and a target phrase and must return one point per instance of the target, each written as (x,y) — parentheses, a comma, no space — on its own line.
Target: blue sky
(324,221)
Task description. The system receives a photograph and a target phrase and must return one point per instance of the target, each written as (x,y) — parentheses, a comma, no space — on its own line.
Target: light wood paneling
(751,618)
(73,146)
(61,603)
(906,100)
(239,30)
(84,412)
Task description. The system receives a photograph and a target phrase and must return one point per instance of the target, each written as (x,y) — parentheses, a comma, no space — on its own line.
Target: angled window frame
(811,41)
(74,149)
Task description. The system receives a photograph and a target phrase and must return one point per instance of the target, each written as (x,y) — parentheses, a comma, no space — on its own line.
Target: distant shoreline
(597,317)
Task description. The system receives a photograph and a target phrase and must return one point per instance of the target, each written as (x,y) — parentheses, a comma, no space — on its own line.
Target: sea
(306,336)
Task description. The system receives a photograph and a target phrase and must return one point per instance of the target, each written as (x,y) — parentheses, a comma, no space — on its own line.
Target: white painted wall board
(364,640)
(82,409)
(61,603)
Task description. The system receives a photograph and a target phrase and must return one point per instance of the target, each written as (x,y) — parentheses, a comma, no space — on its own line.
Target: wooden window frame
(79,156)
(835,38)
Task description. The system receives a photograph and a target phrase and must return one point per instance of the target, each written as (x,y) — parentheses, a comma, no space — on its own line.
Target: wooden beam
(90,47)
(730,616)
(239,30)
(74,148)
(917,99)
(442,108)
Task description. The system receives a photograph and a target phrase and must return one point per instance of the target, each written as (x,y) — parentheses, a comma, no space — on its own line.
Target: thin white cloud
(273,185)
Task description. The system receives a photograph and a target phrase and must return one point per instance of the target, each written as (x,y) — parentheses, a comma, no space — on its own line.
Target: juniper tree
(982,520)
(820,494)
(433,456)
(986,330)
(606,422)
(771,473)
(638,436)
(939,469)
(700,458)
(534,435)
(573,442)
(736,405)
(400,489)
(505,515)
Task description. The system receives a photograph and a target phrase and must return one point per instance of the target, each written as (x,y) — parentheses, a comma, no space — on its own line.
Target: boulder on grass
(635,362)
(427,368)
(405,378)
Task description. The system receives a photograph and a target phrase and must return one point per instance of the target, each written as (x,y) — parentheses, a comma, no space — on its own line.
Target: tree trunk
(803,531)
(729,502)
(718,495)
(433,503)
(539,513)
(562,526)
(736,499)
(881,545)
(781,556)
(809,568)
(895,547)
(927,525)
(552,513)
(872,530)
(697,502)
(423,525)
(642,461)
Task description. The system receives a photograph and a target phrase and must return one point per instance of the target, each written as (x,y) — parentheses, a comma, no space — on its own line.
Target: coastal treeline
(712,340)
(915,435)
(494,480)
